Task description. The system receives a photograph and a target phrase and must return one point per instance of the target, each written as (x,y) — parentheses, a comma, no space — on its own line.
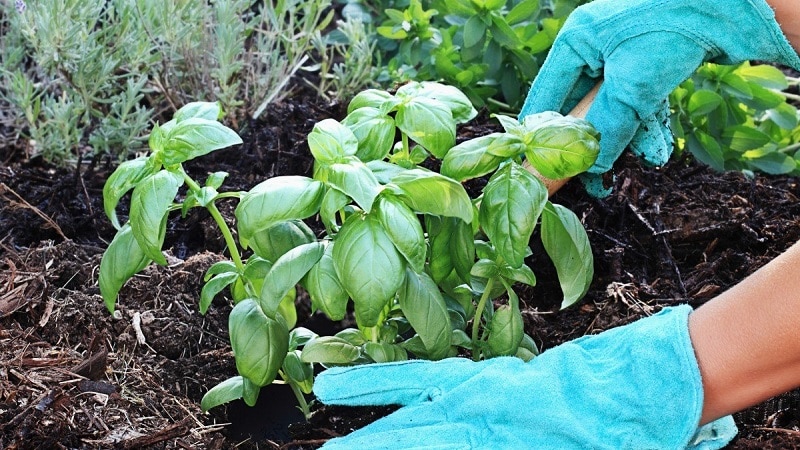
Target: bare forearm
(746,339)
(787,14)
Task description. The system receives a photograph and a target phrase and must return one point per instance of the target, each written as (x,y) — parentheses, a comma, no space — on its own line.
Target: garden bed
(73,376)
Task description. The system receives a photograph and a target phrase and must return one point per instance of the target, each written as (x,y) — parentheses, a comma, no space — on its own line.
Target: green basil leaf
(287,310)
(259,343)
(332,203)
(122,259)
(213,287)
(331,140)
(471,159)
(206,196)
(300,373)
(522,274)
(784,115)
(505,331)
(325,289)
(375,132)
(226,391)
(403,228)
(216,179)
(299,336)
(286,272)
(431,193)
(429,123)
(426,311)
(250,391)
(329,350)
(706,149)
(459,104)
(195,137)
(123,179)
(255,270)
(384,171)
(368,265)
(275,200)
(567,244)
(527,349)
(218,268)
(352,335)
(374,98)
(271,243)
(199,110)
(462,248)
(563,149)
(440,240)
(382,353)
(356,180)
(513,200)
(150,202)
(485,268)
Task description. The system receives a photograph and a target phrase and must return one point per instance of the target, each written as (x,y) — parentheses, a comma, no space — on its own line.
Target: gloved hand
(643,49)
(633,387)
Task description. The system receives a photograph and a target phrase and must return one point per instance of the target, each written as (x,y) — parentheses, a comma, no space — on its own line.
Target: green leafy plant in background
(84,79)
(490,49)
(417,256)
(737,118)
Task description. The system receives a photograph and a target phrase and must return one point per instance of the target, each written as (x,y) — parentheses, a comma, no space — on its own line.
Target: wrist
(787,14)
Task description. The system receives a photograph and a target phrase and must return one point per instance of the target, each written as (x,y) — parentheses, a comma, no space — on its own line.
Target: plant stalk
(476,321)
(223,226)
(301,399)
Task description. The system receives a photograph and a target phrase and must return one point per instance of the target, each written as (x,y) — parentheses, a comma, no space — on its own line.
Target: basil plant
(425,270)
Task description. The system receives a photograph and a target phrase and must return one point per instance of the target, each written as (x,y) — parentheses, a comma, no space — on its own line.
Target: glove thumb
(395,383)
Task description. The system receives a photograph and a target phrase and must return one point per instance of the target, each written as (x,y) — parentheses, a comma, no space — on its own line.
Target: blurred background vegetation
(82,80)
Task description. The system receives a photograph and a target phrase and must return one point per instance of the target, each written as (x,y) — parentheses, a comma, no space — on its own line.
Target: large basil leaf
(150,202)
(512,202)
(329,350)
(356,180)
(195,137)
(403,228)
(329,140)
(286,272)
(259,343)
(271,243)
(275,200)
(125,177)
(567,244)
(426,311)
(471,159)
(368,265)
(122,259)
(458,103)
(375,132)
(201,110)
(323,286)
(373,98)
(431,193)
(429,123)
(562,149)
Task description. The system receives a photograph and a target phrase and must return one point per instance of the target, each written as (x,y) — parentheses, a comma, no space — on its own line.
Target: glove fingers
(653,142)
(398,383)
(411,427)
(617,123)
(560,84)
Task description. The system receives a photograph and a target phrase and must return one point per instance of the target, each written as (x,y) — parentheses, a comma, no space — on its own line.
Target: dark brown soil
(74,376)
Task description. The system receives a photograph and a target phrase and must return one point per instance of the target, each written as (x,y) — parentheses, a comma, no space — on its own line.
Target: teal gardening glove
(634,387)
(643,49)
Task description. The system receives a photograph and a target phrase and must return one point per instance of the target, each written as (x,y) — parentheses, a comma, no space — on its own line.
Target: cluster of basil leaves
(419,259)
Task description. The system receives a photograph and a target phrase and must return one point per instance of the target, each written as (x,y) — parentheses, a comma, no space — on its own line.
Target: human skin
(746,339)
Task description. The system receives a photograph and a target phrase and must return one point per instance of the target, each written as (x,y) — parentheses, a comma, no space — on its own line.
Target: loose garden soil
(74,376)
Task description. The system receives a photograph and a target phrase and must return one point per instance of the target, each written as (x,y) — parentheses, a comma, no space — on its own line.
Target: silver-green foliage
(82,78)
